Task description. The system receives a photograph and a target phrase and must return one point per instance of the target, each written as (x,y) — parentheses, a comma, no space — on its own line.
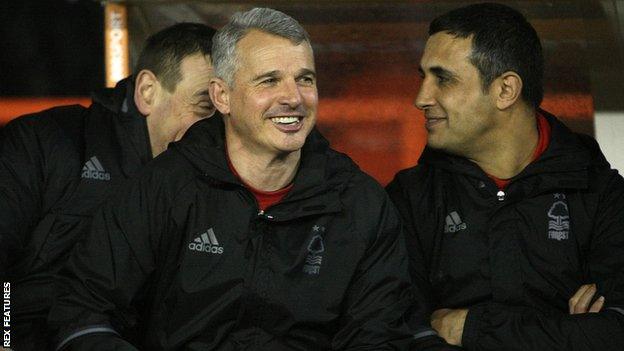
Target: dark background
(51,47)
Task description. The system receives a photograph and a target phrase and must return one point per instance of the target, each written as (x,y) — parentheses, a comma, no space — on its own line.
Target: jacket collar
(130,126)
(564,164)
(321,176)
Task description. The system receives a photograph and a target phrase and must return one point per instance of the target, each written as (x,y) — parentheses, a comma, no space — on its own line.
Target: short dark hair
(502,40)
(165,50)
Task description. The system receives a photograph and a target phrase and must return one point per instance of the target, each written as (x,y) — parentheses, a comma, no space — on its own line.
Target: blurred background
(367,53)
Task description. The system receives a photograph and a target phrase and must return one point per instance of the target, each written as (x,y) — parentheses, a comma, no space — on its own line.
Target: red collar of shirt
(265,199)
(544,130)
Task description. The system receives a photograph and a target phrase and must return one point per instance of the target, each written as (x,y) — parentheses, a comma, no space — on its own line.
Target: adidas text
(452,228)
(96,175)
(207,242)
(206,248)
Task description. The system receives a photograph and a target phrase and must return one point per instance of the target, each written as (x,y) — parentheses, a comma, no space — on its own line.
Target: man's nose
(424,98)
(291,95)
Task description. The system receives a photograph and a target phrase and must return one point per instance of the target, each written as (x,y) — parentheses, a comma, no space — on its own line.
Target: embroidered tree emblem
(559,215)
(316,245)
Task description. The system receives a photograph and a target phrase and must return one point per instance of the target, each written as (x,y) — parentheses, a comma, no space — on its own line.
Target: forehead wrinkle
(261,54)
(448,55)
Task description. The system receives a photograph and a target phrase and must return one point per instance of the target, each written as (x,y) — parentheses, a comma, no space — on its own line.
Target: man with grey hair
(250,233)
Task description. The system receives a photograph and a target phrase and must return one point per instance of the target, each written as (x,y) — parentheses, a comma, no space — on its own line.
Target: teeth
(285,120)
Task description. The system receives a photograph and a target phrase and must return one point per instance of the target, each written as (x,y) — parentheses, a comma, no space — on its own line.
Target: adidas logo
(93,170)
(454,223)
(206,242)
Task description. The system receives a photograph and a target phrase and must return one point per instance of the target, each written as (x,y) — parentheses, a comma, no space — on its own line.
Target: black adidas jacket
(186,258)
(515,258)
(56,168)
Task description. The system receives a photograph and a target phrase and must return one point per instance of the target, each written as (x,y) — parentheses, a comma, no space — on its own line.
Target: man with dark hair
(514,222)
(59,165)
(250,233)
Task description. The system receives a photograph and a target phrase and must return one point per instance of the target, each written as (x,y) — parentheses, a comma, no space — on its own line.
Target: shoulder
(366,201)
(597,158)
(362,184)
(415,179)
(414,173)
(167,174)
(53,133)
(343,172)
(599,169)
(46,124)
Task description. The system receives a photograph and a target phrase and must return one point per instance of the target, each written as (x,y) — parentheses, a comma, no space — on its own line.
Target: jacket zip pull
(501,195)
(262,214)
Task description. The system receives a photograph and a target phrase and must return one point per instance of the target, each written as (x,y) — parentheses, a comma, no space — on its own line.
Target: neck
(511,146)
(158,142)
(263,171)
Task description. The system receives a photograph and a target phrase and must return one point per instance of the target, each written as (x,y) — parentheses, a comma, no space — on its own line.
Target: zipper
(265,215)
(261,213)
(501,195)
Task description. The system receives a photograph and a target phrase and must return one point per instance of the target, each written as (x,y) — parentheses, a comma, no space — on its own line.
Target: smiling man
(514,222)
(250,233)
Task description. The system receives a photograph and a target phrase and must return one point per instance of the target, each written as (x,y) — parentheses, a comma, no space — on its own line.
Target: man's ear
(508,89)
(145,90)
(220,95)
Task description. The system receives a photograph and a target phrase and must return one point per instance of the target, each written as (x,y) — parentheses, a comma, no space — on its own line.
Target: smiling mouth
(286,120)
(432,121)
(288,124)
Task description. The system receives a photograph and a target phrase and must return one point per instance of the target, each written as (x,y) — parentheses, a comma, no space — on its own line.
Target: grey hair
(224,56)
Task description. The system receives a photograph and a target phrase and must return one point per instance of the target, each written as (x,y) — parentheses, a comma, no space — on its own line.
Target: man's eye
(443,80)
(306,80)
(269,81)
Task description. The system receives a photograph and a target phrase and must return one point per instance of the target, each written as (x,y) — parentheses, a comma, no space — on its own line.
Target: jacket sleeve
(383,309)
(107,270)
(22,179)
(417,269)
(418,266)
(494,326)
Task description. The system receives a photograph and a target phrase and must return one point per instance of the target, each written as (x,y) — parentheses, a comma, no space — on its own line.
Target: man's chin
(434,143)
(448,149)
(438,145)
(289,148)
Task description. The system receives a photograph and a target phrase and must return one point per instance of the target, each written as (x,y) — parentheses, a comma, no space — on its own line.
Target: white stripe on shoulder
(617,309)
(425,333)
(85,331)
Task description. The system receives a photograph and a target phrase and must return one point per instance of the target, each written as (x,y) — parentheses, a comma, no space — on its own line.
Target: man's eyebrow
(306,72)
(442,72)
(438,71)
